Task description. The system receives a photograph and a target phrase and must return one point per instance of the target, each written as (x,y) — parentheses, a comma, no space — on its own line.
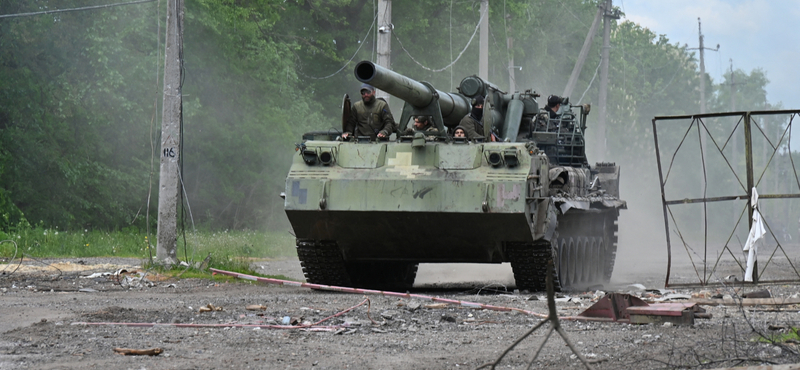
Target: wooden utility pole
(385,29)
(171,116)
(587,44)
(483,63)
(608,15)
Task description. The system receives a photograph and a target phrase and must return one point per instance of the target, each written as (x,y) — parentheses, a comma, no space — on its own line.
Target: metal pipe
(375,292)
(663,201)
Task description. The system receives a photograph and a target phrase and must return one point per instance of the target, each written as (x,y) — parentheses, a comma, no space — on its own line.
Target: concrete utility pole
(587,44)
(608,15)
(511,84)
(483,64)
(733,92)
(385,29)
(169,189)
(702,66)
(703,135)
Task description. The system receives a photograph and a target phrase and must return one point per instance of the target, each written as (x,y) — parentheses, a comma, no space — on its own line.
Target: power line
(352,57)
(74,9)
(451,63)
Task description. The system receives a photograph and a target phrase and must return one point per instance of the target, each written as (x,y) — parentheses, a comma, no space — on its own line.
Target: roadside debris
(138,352)
(757,294)
(627,308)
(208,308)
(255,307)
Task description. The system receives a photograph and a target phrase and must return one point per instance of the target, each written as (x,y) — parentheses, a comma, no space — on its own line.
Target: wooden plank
(747,301)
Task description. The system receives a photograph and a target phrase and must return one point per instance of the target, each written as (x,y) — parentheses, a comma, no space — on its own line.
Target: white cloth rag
(757,232)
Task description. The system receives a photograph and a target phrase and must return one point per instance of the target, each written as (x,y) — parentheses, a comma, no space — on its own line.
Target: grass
(230,250)
(791,336)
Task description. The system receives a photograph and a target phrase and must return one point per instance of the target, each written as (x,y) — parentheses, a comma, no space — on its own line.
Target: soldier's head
(477,102)
(367,93)
(554,102)
(459,132)
(477,107)
(420,122)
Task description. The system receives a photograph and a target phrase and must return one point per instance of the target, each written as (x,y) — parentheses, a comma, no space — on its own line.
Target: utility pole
(733,96)
(171,117)
(702,66)
(703,139)
(608,15)
(737,142)
(511,84)
(483,61)
(385,28)
(587,44)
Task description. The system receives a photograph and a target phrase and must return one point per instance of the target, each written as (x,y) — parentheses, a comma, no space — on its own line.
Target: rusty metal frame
(747,121)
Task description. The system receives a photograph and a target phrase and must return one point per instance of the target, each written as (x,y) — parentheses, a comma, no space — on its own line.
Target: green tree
(71,93)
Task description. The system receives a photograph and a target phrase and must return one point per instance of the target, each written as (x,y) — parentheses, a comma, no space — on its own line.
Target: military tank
(366,212)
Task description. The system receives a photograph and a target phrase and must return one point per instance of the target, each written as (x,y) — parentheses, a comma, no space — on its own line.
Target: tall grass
(228,249)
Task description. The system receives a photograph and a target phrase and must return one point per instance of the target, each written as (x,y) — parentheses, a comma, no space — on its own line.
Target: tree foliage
(80,93)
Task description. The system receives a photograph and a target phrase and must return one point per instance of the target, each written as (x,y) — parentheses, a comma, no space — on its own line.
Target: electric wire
(188,206)
(369,32)
(152,138)
(508,50)
(451,43)
(590,82)
(13,257)
(182,190)
(451,63)
(74,9)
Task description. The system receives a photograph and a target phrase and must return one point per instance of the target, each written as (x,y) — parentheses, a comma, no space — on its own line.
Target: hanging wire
(374,36)
(590,82)
(369,31)
(152,139)
(451,43)
(451,63)
(508,50)
(182,194)
(73,9)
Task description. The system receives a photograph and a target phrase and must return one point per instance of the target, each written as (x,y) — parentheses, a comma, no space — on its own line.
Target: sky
(753,33)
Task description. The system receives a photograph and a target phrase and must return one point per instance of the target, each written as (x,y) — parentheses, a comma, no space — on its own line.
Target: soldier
(553,105)
(471,123)
(370,116)
(422,124)
(459,132)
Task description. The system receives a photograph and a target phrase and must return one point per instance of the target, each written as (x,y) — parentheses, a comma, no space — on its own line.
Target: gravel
(42,316)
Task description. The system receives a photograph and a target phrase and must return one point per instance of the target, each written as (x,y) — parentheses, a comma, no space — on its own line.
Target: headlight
(326,157)
(510,156)
(310,157)
(495,159)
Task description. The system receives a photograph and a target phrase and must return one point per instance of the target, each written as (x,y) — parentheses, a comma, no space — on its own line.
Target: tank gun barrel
(418,94)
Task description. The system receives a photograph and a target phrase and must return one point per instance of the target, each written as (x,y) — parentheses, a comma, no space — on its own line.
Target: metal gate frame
(745,119)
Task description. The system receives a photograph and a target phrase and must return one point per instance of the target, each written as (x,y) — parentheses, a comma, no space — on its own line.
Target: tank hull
(388,206)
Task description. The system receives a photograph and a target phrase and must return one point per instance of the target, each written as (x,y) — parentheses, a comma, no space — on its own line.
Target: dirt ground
(43,316)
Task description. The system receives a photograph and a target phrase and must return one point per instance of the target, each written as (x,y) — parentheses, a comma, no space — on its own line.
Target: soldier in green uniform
(471,123)
(422,124)
(370,116)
